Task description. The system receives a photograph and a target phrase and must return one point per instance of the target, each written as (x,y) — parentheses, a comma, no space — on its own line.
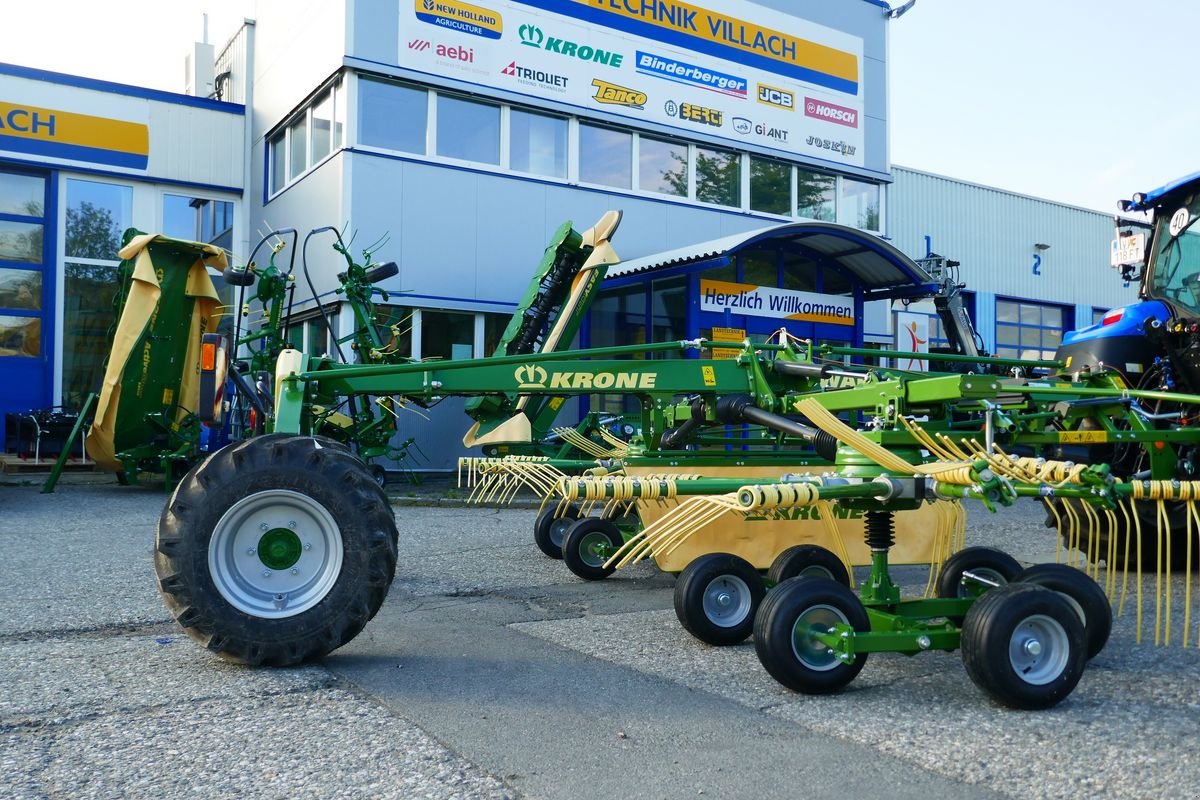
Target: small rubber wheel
(808,559)
(238,277)
(549,532)
(1082,593)
(784,627)
(587,544)
(1024,646)
(973,570)
(716,597)
(379,474)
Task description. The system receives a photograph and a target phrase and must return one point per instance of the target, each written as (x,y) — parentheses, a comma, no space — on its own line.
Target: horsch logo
(829,112)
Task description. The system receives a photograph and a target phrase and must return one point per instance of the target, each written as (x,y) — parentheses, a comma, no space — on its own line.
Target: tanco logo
(532,376)
(614,95)
(533,36)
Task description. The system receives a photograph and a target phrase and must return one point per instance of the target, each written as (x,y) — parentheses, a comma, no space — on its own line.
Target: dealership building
(454,138)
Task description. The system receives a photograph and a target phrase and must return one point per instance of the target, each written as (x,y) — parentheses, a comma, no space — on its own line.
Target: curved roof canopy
(1152,197)
(864,260)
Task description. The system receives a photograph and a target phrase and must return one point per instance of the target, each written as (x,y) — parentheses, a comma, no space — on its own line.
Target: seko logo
(533,36)
(780,98)
(839,115)
(535,77)
(612,94)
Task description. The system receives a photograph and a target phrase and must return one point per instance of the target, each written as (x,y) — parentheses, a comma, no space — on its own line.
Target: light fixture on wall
(1041,247)
(898,11)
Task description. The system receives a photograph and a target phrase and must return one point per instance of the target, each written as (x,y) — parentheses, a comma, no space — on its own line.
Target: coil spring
(881,530)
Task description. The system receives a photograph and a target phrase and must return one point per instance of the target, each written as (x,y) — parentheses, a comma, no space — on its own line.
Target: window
(1028,330)
(392,116)
(718,177)
(605,156)
(21,194)
(447,334)
(816,196)
(494,326)
(198,219)
(759,268)
(537,143)
(860,204)
(97,216)
(468,130)
(308,138)
(662,166)
(770,186)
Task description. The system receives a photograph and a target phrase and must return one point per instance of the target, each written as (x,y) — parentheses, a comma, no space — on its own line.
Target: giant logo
(456,15)
(830,112)
(533,36)
(612,94)
(672,70)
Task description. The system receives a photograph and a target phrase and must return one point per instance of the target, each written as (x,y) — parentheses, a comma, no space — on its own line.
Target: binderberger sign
(762,77)
(767,301)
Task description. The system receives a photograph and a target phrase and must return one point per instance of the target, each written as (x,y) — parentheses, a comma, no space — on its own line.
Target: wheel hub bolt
(250,551)
(308,547)
(264,526)
(266,573)
(292,524)
(1033,647)
(295,571)
(723,599)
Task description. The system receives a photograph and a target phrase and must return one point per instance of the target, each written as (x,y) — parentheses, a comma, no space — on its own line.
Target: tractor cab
(1156,342)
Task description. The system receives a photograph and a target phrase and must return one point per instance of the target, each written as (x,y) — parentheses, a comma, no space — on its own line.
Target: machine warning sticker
(1082,437)
(710,376)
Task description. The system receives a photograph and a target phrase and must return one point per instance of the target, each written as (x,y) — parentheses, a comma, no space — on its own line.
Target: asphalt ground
(491,671)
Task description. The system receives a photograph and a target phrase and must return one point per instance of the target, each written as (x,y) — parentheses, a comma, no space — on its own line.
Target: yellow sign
(462,17)
(1083,437)
(728,334)
(78,137)
(613,94)
(710,376)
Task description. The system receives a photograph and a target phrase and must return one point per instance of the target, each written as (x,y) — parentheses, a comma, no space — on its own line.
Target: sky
(1077,101)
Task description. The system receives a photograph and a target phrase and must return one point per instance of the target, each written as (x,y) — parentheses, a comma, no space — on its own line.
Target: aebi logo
(452,52)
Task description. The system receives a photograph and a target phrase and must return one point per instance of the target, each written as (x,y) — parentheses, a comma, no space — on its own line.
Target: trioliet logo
(612,94)
(532,376)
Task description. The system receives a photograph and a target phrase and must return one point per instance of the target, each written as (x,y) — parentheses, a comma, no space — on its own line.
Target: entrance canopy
(865,262)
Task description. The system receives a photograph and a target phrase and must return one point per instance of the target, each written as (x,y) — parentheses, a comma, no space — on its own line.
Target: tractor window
(1175,273)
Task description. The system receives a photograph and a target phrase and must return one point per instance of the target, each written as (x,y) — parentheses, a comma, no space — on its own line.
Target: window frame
(282,134)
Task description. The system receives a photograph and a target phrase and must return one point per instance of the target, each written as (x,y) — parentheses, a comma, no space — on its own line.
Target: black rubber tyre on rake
(1083,594)
(276,550)
(808,559)
(716,598)
(550,531)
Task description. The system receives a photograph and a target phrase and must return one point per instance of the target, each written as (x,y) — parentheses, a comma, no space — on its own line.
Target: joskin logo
(672,70)
(533,36)
(828,111)
(694,113)
(780,98)
(458,16)
(532,376)
(614,95)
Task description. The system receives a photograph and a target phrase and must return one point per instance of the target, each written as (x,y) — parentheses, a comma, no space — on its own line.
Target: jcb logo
(530,376)
(780,98)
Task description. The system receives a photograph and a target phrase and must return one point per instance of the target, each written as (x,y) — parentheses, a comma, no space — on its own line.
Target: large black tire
(800,662)
(808,559)
(1024,646)
(1084,596)
(588,543)
(550,531)
(276,550)
(716,598)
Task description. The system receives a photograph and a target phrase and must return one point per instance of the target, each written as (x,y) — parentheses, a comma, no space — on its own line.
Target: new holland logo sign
(462,17)
(532,376)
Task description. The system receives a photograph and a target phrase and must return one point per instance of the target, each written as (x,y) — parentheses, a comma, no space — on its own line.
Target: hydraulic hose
(733,409)
(675,438)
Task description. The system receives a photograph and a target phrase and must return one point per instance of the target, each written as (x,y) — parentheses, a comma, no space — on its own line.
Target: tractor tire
(276,550)
(716,598)
(1084,596)
(808,559)
(1024,646)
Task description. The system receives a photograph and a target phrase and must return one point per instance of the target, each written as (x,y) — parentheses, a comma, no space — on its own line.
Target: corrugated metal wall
(994,234)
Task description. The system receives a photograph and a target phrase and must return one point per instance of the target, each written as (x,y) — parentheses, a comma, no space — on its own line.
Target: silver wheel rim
(810,651)
(267,587)
(558,530)
(590,549)
(817,572)
(1038,649)
(726,601)
(970,588)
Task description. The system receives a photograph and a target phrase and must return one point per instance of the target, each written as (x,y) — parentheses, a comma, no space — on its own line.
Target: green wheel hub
(279,548)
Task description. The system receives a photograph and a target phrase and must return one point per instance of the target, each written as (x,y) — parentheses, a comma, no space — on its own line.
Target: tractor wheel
(549,532)
(716,597)
(1082,593)
(974,570)
(784,627)
(587,544)
(1024,646)
(276,550)
(808,559)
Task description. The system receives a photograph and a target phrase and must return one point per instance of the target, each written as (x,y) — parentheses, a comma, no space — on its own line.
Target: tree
(91,232)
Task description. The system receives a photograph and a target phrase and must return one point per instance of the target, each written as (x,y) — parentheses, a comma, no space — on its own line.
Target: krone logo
(530,376)
(531,35)
(613,94)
